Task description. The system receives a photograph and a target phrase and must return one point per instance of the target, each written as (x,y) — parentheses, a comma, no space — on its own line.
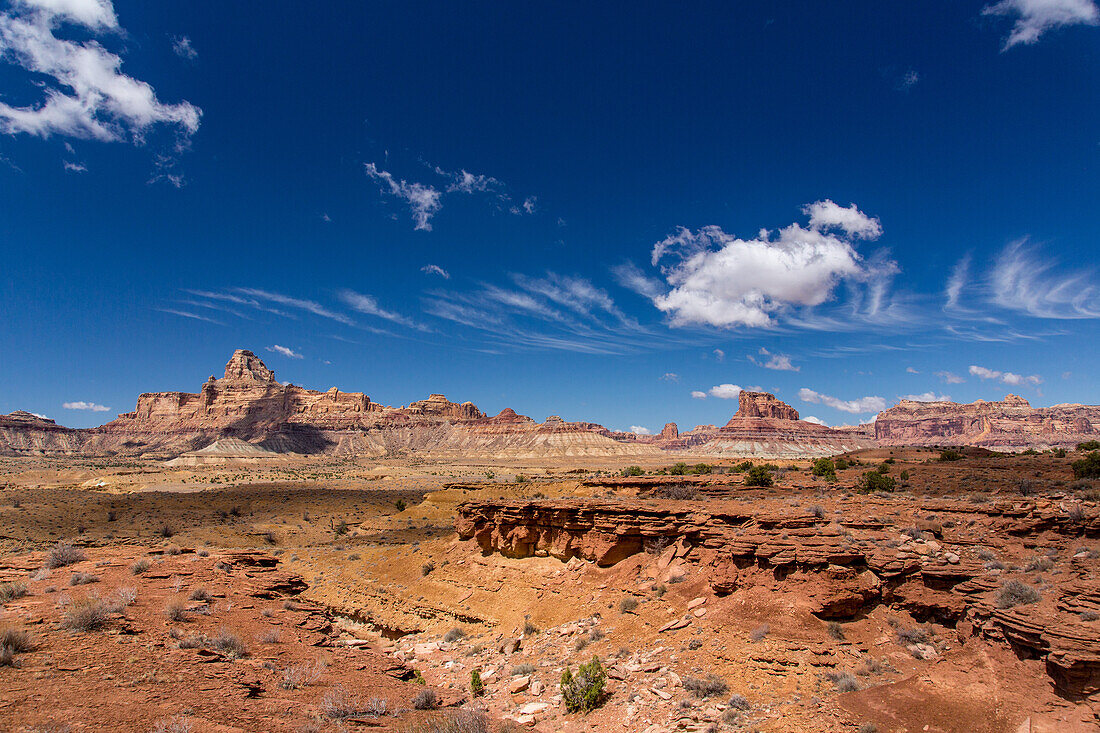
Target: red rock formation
(762,404)
(1011,424)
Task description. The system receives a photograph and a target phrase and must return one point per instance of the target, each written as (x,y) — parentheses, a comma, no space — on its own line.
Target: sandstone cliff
(1012,424)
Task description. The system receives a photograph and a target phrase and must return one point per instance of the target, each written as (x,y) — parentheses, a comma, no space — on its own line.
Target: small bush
(300,675)
(454,635)
(872,482)
(229,644)
(686,493)
(759,476)
(1015,593)
(12,590)
(1039,565)
(178,724)
(201,594)
(426,699)
(1088,445)
(628,604)
(843,681)
(524,669)
(916,635)
(824,468)
(400,505)
(63,554)
(175,611)
(868,728)
(738,702)
(166,531)
(139,567)
(711,686)
(339,704)
(477,687)
(817,512)
(836,631)
(632,471)
(194,641)
(521,479)
(950,454)
(529,629)
(12,642)
(87,614)
(1087,467)
(83,579)
(173,550)
(584,691)
(759,632)
(427,567)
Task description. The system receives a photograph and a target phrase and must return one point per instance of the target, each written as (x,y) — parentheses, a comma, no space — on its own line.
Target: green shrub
(873,481)
(1087,467)
(584,691)
(825,468)
(1088,445)
(759,476)
(520,478)
(701,468)
(840,464)
(678,469)
(477,687)
(632,471)
(743,466)
(950,455)
(400,505)
(1014,593)
(883,468)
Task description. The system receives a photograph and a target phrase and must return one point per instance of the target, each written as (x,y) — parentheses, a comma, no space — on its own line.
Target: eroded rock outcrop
(1011,424)
(841,569)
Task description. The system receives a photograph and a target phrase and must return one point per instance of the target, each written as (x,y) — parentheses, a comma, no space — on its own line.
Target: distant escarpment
(765,426)
(1012,424)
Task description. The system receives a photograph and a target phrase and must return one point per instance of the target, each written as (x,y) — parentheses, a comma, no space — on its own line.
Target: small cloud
(908,80)
(926,397)
(670,377)
(1067,375)
(697,395)
(719,355)
(1008,378)
(367,304)
(639,430)
(725,391)
(777,362)
(89,406)
(435,270)
(423,200)
(75,167)
(41,416)
(911,370)
(857,406)
(289,353)
(815,420)
(1036,17)
(326,218)
(950,377)
(529,204)
(182,47)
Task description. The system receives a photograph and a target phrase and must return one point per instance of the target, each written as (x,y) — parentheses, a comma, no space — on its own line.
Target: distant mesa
(248,415)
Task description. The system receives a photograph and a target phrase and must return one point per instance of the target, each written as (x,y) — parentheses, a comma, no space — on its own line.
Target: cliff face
(767,427)
(1011,424)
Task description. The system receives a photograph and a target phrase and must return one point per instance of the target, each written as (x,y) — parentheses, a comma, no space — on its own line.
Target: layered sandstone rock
(1012,424)
(767,427)
(841,570)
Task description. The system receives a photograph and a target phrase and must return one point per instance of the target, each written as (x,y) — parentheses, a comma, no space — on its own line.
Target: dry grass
(12,590)
(229,644)
(63,554)
(87,614)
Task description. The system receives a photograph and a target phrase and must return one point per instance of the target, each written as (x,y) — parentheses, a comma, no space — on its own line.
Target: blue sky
(621,214)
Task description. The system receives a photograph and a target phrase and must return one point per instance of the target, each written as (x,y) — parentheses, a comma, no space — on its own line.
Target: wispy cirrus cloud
(926,397)
(424,201)
(182,47)
(189,314)
(950,377)
(1023,280)
(435,270)
(857,406)
(368,304)
(86,95)
(1036,17)
(309,306)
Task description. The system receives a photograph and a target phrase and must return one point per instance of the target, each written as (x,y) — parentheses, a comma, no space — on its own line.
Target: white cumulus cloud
(287,352)
(777,362)
(1009,378)
(640,430)
(950,377)
(85,93)
(725,391)
(1036,17)
(855,407)
(81,405)
(815,420)
(696,394)
(718,279)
